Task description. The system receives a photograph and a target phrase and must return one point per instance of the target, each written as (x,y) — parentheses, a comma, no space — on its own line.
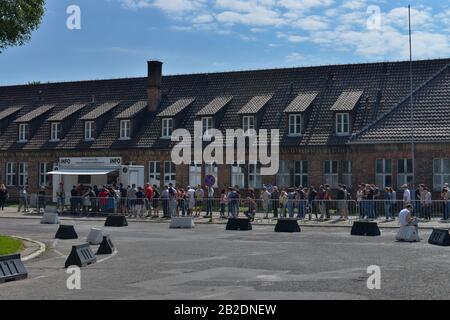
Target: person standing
(406,195)
(148,198)
(155,202)
(60,197)
(290,202)
(140,203)
(223,202)
(181,198)
(199,195)
(341,197)
(165,201)
(265,198)
(427,204)
(275,199)
(172,206)
(23,199)
(312,194)
(190,194)
(3,196)
(388,203)
(209,201)
(41,199)
(445,203)
(283,203)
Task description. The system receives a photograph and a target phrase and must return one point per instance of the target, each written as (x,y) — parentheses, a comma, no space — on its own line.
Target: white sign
(90,162)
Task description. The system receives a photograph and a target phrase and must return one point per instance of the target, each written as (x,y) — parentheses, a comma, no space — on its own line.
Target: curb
(380,224)
(35,254)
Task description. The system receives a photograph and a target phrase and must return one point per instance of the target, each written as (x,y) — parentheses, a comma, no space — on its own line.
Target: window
(55,131)
(248,122)
(85,180)
(441,173)
(331,173)
(44,177)
(301,173)
(237,175)
(23,132)
(295,124)
(347,173)
(169,173)
(212,169)
(167,128)
(404,170)
(342,124)
(23,174)
(207,124)
(154,173)
(11,174)
(384,173)
(125,129)
(195,174)
(254,175)
(283,177)
(89,127)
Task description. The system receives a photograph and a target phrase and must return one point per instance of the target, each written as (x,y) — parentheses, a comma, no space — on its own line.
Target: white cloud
(260,17)
(204,18)
(292,37)
(312,23)
(295,57)
(304,5)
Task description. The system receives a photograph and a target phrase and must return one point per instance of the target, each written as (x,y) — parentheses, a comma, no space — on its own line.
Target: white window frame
(283,175)
(195,174)
(254,175)
(166,128)
(125,129)
(23,174)
(440,175)
(207,124)
(295,125)
(380,177)
(11,174)
(248,122)
(23,132)
(44,177)
(169,175)
(55,131)
(237,175)
(405,177)
(89,128)
(342,120)
(347,171)
(302,173)
(331,176)
(154,173)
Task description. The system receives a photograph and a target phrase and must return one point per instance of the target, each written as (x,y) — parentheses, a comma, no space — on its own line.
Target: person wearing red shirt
(149,197)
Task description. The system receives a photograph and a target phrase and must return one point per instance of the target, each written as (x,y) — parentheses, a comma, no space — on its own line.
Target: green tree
(18,19)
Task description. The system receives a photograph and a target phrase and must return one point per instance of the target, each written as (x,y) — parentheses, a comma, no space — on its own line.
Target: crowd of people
(296,202)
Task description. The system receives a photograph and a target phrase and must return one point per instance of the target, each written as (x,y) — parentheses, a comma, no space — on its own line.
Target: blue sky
(117,37)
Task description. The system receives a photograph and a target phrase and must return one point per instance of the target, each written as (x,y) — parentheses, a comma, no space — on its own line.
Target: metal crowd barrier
(301,209)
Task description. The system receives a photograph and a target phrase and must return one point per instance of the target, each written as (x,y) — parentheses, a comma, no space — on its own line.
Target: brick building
(338,124)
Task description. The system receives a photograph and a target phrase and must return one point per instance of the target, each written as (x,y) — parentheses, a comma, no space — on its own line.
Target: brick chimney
(154,85)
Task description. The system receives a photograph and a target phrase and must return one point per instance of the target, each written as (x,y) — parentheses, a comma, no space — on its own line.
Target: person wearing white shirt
(406,194)
(405,218)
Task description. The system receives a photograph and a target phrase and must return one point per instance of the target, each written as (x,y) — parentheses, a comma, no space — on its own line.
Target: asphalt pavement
(208,262)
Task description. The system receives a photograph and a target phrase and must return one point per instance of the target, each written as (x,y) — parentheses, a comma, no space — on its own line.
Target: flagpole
(413,158)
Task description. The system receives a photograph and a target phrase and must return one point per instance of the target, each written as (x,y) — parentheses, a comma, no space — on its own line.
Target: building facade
(346,124)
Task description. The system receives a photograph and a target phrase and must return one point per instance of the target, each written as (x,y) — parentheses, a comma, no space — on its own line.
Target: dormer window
(167,127)
(248,122)
(295,124)
(23,132)
(89,128)
(207,124)
(125,129)
(55,131)
(342,124)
